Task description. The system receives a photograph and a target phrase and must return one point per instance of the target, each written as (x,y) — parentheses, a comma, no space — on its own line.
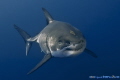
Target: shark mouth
(73,48)
(69,49)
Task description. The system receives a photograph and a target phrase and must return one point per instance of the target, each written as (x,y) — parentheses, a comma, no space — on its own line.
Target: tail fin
(25,36)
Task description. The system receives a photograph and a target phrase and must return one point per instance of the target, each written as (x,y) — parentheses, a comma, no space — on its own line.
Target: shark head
(65,41)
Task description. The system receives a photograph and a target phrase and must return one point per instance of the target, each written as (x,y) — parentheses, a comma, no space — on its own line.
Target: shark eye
(67,43)
(60,42)
(82,40)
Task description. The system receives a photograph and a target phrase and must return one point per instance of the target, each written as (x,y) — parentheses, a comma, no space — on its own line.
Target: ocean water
(98,20)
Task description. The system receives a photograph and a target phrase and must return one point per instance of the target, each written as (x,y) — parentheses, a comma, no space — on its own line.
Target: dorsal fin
(49,18)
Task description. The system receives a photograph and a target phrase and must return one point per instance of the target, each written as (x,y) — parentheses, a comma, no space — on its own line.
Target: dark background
(99,20)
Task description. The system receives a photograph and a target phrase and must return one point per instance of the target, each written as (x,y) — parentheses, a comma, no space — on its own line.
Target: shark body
(57,39)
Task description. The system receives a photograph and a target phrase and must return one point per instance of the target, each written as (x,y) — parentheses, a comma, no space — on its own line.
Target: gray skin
(57,39)
(64,36)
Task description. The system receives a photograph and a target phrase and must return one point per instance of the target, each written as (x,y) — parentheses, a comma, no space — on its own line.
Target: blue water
(99,20)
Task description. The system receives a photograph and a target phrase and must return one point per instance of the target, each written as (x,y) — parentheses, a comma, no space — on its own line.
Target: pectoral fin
(45,59)
(90,52)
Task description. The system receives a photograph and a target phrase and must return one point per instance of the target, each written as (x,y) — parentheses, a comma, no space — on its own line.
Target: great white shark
(57,39)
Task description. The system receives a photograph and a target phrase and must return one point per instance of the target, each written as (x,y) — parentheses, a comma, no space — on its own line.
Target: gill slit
(48,45)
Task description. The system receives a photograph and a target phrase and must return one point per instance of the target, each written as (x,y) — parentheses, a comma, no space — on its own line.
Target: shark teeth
(69,49)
